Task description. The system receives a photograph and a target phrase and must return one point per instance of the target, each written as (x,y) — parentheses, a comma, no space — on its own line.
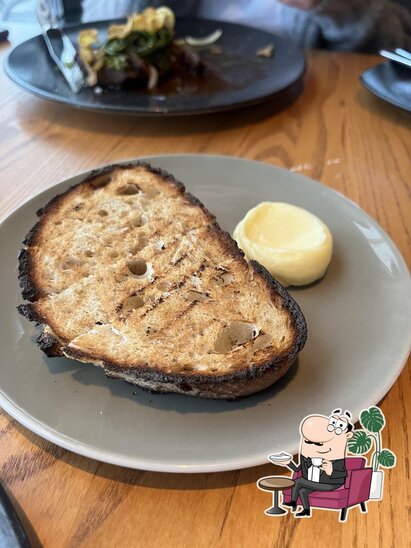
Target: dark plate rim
(151,112)
(387,98)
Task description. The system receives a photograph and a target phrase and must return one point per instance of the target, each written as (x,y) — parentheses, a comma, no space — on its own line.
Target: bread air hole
(102,213)
(234,335)
(138,267)
(101,180)
(113,254)
(88,253)
(164,285)
(133,302)
(128,189)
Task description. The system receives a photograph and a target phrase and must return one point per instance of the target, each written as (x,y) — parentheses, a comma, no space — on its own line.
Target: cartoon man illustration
(322,457)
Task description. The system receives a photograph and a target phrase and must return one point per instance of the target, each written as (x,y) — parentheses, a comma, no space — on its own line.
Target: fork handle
(403,53)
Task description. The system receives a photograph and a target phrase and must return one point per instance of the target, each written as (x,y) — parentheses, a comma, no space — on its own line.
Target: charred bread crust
(30,312)
(155,374)
(29,288)
(225,391)
(31,235)
(227,241)
(167,177)
(229,388)
(53,346)
(49,345)
(196,202)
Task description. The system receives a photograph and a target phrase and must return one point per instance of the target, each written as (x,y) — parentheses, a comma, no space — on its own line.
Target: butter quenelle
(294,245)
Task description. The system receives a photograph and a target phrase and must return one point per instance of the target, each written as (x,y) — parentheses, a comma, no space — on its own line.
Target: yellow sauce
(294,245)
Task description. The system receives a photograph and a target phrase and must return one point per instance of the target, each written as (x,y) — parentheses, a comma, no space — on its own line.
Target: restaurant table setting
(88,460)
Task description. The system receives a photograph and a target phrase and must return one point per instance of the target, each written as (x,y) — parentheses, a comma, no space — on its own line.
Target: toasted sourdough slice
(128,271)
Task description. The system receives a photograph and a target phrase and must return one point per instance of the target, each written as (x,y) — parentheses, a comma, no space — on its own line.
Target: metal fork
(403,53)
(400,56)
(59,45)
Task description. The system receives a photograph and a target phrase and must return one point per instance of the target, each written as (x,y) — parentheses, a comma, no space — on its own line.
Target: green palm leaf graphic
(386,458)
(372,419)
(360,443)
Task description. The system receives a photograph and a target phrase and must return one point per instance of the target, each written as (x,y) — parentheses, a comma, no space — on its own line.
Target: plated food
(234,77)
(292,243)
(76,407)
(141,52)
(130,272)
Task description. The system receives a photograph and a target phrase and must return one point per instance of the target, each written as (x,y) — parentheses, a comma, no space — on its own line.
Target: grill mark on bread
(158,278)
(187,309)
(183,256)
(154,305)
(177,317)
(172,290)
(150,283)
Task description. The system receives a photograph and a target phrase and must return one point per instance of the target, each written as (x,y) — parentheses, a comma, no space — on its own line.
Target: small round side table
(275,484)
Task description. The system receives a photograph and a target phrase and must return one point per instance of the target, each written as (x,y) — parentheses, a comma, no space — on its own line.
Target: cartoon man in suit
(322,457)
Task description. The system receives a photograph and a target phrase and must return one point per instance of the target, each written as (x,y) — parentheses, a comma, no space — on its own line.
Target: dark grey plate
(237,77)
(358,319)
(390,82)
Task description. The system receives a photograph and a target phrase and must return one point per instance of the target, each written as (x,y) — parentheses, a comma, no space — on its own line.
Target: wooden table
(335,132)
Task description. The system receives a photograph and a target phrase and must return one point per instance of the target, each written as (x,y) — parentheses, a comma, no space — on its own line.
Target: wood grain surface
(335,132)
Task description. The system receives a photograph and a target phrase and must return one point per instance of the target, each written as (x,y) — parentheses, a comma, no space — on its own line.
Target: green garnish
(116,62)
(147,45)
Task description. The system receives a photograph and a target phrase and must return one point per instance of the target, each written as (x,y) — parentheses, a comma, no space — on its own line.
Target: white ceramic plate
(358,320)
